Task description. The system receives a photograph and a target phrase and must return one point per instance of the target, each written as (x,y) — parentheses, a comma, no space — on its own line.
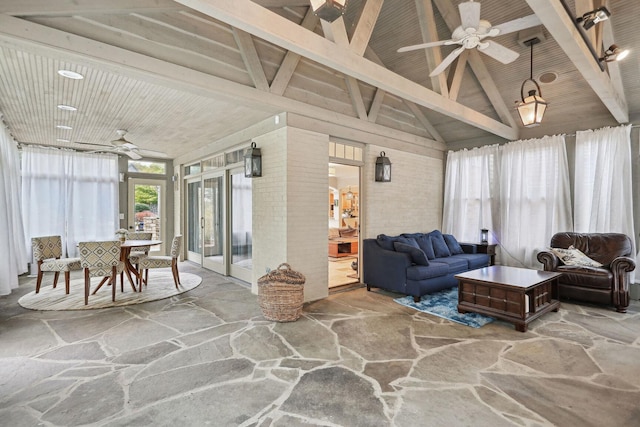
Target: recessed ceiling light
(64,127)
(67,107)
(62,140)
(70,74)
(548,77)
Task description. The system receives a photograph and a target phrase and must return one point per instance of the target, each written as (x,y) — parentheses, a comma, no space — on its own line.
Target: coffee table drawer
(503,300)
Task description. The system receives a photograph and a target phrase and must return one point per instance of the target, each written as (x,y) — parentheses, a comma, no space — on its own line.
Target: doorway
(219,222)
(344,213)
(146,206)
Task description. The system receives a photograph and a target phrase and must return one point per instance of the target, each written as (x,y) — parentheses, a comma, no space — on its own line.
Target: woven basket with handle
(281,294)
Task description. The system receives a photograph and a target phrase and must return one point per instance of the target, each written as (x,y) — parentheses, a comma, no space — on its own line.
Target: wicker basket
(281,294)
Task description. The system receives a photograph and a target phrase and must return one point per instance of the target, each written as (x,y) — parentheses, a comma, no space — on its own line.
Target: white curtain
(471,193)
(535,200)
(603,199)
(70,194)
(13,252)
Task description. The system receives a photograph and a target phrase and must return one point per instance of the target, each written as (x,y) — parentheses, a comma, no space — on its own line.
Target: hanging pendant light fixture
(532,108)
(349,194)
(328,10)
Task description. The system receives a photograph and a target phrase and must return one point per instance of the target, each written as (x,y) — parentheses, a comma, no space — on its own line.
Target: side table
(489,249)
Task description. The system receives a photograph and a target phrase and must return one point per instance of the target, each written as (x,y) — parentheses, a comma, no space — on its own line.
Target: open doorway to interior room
(344,213)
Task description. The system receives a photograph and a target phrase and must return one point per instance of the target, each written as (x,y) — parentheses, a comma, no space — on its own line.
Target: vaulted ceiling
(179,75)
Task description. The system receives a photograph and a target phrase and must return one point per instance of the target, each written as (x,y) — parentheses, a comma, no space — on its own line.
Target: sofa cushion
(456,265)
(474,261)
(588,277)
(440,247)
(424,242)
(417,255)
(573,256)
(386,242)
(408,241)
(452,244)
(421,272)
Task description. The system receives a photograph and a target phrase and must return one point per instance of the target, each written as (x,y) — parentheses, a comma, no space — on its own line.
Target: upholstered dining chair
(163,261)
(139,252)
(100,259)
(47,252)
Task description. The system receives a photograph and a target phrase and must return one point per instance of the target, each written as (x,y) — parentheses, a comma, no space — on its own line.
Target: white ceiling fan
(471,34)
(122,146)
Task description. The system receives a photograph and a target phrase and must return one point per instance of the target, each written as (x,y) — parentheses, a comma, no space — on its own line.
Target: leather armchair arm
(549,260)
(620,267)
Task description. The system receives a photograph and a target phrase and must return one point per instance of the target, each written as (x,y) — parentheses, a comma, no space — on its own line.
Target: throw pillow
(417,255)
(386,242)
(408,241)
(452,244)
(573,256)
(424,241)
(440,247)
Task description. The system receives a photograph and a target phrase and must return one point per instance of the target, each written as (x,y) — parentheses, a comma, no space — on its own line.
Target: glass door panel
(146,209)
(241,225)
(213,231)
(194,221)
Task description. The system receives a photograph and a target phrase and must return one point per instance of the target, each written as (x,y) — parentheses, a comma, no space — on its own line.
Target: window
(138,166)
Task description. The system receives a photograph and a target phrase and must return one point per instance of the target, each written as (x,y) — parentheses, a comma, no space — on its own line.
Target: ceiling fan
(471,34)
(122,146)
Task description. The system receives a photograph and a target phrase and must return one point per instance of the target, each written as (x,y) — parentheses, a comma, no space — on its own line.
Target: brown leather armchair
(608,284)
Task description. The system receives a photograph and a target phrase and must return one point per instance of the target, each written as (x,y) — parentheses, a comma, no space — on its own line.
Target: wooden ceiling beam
(561,26)
(365,25)
(82,7)
(275,29)
(433,55)
(251,59)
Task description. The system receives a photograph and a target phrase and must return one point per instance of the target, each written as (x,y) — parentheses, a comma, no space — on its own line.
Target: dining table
(125,251)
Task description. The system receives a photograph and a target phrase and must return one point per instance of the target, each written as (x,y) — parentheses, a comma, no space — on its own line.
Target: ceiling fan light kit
(328,10)
(532,108)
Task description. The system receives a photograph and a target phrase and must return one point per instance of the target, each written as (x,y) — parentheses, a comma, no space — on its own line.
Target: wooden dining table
(125,251)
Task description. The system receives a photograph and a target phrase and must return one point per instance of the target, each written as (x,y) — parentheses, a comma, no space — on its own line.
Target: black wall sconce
(252,162)
(383,168)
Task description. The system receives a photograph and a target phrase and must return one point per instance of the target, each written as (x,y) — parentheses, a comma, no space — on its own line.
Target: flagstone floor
(208,357)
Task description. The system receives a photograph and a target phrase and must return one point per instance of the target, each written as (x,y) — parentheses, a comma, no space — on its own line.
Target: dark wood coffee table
(516,295)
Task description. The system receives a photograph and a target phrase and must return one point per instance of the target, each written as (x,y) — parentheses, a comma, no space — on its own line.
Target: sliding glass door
(241,225)
(213,196)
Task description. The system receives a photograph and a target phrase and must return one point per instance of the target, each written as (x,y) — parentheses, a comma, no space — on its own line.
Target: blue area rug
(445,304)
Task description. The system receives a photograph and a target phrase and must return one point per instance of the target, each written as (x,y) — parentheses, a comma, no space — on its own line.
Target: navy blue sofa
(418,263)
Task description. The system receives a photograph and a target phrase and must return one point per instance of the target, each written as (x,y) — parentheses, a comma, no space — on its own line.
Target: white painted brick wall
(411,202)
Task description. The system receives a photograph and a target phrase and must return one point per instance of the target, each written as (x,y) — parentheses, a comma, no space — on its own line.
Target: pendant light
(532,108)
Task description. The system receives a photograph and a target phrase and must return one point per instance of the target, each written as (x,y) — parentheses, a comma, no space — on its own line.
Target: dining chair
(47,252)
(100,259)
(139,252)
(153,261)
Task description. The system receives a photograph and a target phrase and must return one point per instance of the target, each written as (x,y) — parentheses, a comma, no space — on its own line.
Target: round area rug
(160,286)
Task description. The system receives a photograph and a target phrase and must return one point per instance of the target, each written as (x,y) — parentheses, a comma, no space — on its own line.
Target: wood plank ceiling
(179,75)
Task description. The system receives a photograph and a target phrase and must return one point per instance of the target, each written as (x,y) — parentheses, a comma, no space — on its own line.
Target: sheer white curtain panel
(70,194)
(603,190)
(13,252)
(471,193)
(535,200)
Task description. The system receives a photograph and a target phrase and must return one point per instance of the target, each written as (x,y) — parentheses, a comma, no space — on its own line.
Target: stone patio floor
(208,357)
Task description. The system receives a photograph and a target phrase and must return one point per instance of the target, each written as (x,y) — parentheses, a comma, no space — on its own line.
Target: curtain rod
(573,134)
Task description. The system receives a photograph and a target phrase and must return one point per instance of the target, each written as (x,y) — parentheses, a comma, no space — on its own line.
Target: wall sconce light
(532,108)
(328,10)
(615,53)
(590,19)
(484,236)
(383,168)
(252,162)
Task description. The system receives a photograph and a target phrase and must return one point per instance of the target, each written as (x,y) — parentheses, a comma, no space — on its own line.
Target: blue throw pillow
(440,247)
(386,242)
(417,255)
(452,244)
(408,241)
(424,241)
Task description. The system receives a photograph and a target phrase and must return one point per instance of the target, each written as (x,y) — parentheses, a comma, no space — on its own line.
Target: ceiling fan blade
(446,61)
(469,14)
(498,52)
(129,146)
(151,153)
(90,143)
(423,45)
(518,24)
(132,154)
